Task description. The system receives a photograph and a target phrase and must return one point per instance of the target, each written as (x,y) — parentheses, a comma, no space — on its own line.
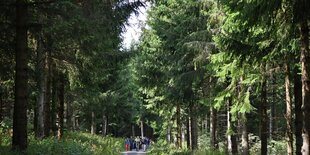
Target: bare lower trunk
(133,130)
(169,133)
(272,118)
(104,124)
(141,127)
(1,104)
(205,127)
(263,115)
(243,123)
(179,127)
(61,100)
(77,123)
(213,128)
(188,133)
(47,104)
(244,135)
(289,124)
(74,123)
(305,73)
(183,133)
(194,128)
(54,104)
(19,138)
(93,123)
(41,83)
(298,112)
(231,137)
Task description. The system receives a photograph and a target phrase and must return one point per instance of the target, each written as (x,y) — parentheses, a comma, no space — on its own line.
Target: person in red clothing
(127,144)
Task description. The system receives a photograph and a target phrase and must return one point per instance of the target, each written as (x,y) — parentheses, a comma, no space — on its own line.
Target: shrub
(73,143)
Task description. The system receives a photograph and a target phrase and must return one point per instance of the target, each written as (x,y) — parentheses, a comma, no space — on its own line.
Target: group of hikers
(137,143)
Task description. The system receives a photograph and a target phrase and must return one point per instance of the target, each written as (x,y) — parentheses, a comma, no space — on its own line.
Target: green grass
(162,148)
(73,143)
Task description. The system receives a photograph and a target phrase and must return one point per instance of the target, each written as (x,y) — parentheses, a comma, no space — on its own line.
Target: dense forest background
(206,76)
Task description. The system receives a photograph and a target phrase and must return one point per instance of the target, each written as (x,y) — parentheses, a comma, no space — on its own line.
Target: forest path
(134,153)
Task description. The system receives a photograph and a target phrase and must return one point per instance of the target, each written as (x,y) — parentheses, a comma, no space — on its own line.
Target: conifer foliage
(209,75)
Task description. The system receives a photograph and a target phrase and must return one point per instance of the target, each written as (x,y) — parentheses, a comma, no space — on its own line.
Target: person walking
(132,144)
(127,144)
(144,143)
(137,141)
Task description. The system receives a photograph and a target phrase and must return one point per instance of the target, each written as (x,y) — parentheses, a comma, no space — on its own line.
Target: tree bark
(188,133)
(47,104)
(231,127)
(133,130)
(35,118)
(243,126)
(179,126)
(1,103)
(19,138)
(213,128)
(61,100)
(54,104)
(104,124)
(305,75)
(206,127)
(93,123)
(77,123)
(194,127)
(141,127)
(41,84)
(168,133)
(263,115)
(244,135)
(298,112)
(289,123)
(69,115)
(272,118)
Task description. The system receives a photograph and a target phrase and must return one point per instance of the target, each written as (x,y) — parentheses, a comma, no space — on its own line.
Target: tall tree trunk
(168,133)
(61,100)
(74,123)
(189,133)
(104,124)
(47,104)
(243,122)
(244,135)
(77,123)
(272,118)
(213,128)
(305,78)
(205,122)
(133,130)
(35,117)
(19,138)
(41,84)
(54,100)
(194,127)
(263,115)
(1,103)
(289,123)
(1,107)
(141,127)
(179,126)
(298,112)
(184,132)
(93,123)
(231,127)
(69,115)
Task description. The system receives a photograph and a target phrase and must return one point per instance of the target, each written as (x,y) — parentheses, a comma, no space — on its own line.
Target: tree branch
(29,3)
